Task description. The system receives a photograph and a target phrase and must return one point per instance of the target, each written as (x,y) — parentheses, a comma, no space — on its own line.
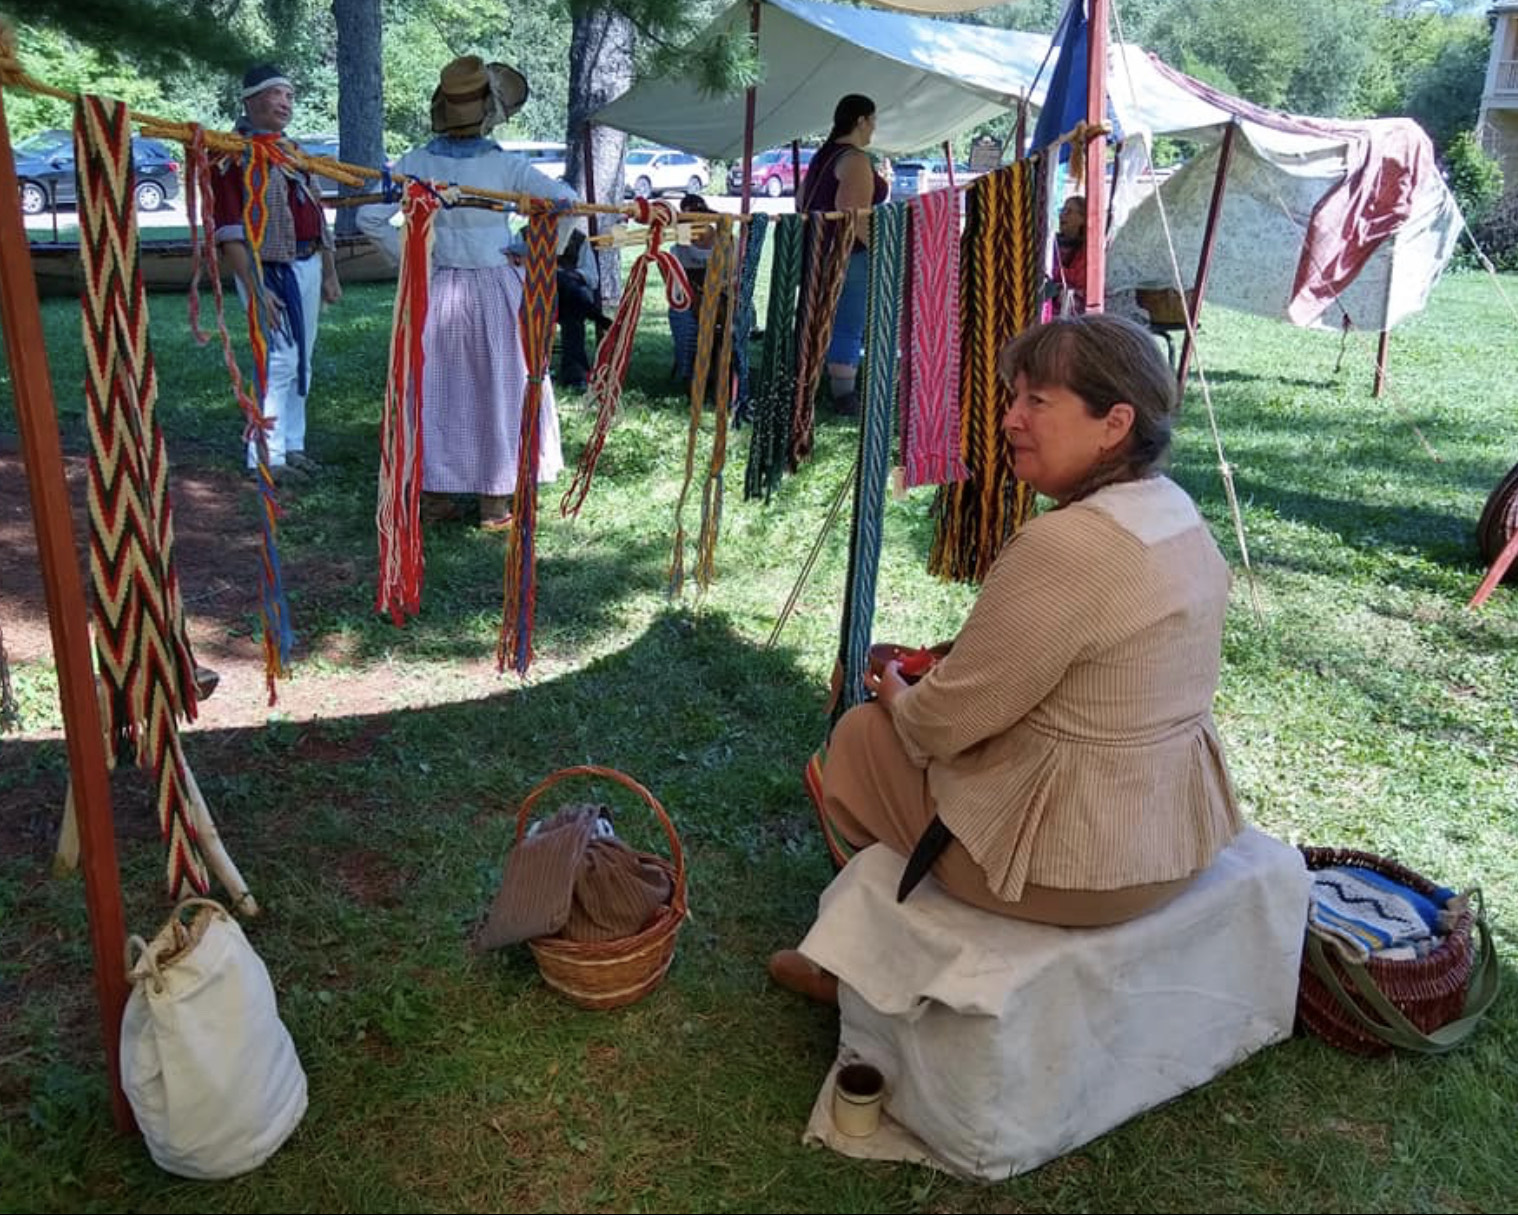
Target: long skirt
(474,384)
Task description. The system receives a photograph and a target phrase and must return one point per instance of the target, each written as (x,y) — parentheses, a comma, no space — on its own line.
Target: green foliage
(1445,94)
(1299,55)
(421,37)
(160,35)
(1474,177)
(1496,232)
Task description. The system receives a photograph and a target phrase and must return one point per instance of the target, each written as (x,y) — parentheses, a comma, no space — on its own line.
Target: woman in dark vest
(842,177)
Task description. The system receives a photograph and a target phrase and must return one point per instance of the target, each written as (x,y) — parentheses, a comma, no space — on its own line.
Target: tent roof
(929,79)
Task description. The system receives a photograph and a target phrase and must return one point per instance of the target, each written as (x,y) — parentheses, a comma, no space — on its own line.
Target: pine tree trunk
(600,69)
(360,100)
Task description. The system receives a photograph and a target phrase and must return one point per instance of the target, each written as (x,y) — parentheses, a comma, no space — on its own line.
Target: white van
(547,158)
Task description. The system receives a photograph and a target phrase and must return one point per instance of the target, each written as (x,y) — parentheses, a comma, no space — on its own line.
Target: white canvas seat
(1005,1044)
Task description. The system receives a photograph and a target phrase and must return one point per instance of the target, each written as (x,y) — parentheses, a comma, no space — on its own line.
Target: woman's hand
(888,684)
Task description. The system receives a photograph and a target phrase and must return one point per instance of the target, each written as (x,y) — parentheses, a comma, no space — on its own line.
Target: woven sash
(743,315)
(716,302)
(539,311)
(775,387)
(829,245)
(145,660)
(998,299)
(930,375)
(877,409)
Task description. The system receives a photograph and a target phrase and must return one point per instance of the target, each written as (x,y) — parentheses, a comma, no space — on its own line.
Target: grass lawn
(1366,707)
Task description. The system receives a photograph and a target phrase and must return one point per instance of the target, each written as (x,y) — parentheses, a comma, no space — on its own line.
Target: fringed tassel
(539,309)
(398,515)
(260,159)
(277,635)
(878,407)
(612,356)
(706,340)
(711,490)
(830,244)
(998,299)
(145,659)
(743,316)
(776,385)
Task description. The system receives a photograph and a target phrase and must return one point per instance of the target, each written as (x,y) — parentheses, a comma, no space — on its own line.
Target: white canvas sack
(208,1066)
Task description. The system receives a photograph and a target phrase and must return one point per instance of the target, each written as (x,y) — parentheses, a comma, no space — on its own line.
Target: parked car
(911,177)
(45,170)
(327,145)
(549,159)
(322,145)
(773,173)
(653,171)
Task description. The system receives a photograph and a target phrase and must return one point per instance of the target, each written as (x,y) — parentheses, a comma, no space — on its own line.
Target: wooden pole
(749,100)
(948,160)
(1193,306)
(1383,345)
(1096,156)
(1382,350)
(67,616)
(795,172)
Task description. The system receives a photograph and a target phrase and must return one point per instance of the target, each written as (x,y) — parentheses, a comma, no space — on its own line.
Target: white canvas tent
(1280,169)
(934,79)
(929,79)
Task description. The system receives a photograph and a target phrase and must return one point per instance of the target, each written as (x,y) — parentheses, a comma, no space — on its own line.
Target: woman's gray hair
(1103,360)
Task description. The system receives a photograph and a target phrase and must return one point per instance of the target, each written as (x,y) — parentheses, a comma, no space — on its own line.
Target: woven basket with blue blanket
(1391,958)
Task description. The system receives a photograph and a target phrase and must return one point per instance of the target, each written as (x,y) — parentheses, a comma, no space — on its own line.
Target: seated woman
(1070,262)
(1063,751)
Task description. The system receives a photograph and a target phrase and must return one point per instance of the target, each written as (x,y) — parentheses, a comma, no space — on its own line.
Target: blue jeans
(848,322)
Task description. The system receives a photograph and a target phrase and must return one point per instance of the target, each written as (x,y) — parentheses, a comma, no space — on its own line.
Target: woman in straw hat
(475,374)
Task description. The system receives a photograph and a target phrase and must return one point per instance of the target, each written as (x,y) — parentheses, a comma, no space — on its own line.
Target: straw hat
(473,96)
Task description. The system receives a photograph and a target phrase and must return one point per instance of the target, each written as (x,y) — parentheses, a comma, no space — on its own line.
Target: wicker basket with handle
(1428,1004)
(610,974)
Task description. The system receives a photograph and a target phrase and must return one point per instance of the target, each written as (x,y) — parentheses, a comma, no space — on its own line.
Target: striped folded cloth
(572,877)
(1366,914)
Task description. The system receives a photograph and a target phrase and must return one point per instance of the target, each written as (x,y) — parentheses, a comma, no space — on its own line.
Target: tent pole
(1096,155)
(1020,131)
(588,157)
(1383,346)
(749,98)
(948,160)
(1379,386)
(1193,306)
(67,616)
(795,171)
